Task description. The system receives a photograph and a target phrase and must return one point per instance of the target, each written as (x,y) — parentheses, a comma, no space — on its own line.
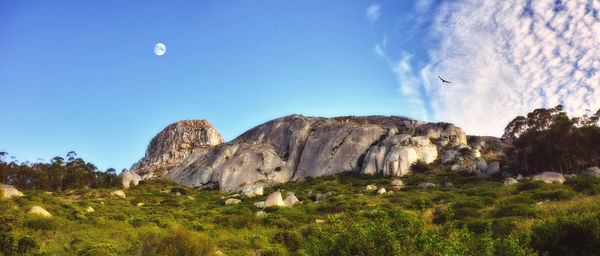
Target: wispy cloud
(507,58)
(373,12)
(409,83)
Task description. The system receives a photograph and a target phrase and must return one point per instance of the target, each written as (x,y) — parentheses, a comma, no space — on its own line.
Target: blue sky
(82,76)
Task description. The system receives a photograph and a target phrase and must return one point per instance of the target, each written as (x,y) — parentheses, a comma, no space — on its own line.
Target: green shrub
(421,204)
(533,185)
(561,194)
(584,184)
(420,167)
(41,223)
(291,239)
(27,245)
(176,241)
(567,235)
(513,209)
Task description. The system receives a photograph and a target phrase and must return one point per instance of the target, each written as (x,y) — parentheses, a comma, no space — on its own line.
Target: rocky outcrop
(129,178)
(173,144)
(394,155)
(8,191)
(295,147)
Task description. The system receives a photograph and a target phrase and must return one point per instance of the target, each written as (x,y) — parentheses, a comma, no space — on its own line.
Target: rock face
(295,147)
(8,191)
(173,144)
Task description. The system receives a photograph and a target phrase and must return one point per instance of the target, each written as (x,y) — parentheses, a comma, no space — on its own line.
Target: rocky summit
(295,147)
(173,144)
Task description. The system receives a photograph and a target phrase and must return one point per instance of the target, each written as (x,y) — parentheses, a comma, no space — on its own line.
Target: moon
(160,49)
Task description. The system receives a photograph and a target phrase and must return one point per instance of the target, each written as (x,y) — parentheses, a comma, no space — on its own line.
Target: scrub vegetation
(473,217)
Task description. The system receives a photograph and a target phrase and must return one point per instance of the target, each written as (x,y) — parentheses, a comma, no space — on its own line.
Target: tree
(548,140)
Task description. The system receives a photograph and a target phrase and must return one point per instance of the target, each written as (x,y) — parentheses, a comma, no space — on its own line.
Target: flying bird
(445,81)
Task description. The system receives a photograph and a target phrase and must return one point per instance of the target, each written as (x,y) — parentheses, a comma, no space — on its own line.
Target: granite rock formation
(173,144)
(295,147)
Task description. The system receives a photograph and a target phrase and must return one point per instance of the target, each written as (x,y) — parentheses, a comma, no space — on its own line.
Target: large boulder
(592,171)
(8,191)
(129,178)
(39,211)
(481,165)
(290,199)
(173,144)
(274,199)
(394,155)
(450,156)
(493,168)
(550,177)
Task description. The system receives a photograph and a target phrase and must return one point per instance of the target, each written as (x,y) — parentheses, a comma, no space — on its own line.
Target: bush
(421,204)
(567,235)
(584,184)
(291,239)
(532,185)
(26,245)
(41,223)
(557,195)
(513,209)
(176,241)
(420,167)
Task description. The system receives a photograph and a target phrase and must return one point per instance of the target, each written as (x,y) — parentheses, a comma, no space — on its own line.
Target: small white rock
(232,201)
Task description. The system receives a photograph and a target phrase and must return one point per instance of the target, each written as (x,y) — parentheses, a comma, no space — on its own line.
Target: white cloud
(506,58)
(373,12)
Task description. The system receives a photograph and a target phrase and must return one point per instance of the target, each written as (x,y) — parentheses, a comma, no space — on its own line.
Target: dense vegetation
(548,140)
(58,175)
(473,217)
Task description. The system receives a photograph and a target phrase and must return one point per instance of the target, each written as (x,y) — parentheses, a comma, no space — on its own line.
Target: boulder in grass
(381,191)
(89,209)
(426,185)
(8,191)
(510,181)
(550,177)
(274,199)
(291,199)
(119,193)
(232,201)
(397,184)
(592,171)
(37,210)
(371,187)
(260,204)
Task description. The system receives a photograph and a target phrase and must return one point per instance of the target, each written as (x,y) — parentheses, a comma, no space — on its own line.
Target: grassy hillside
(473,216)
